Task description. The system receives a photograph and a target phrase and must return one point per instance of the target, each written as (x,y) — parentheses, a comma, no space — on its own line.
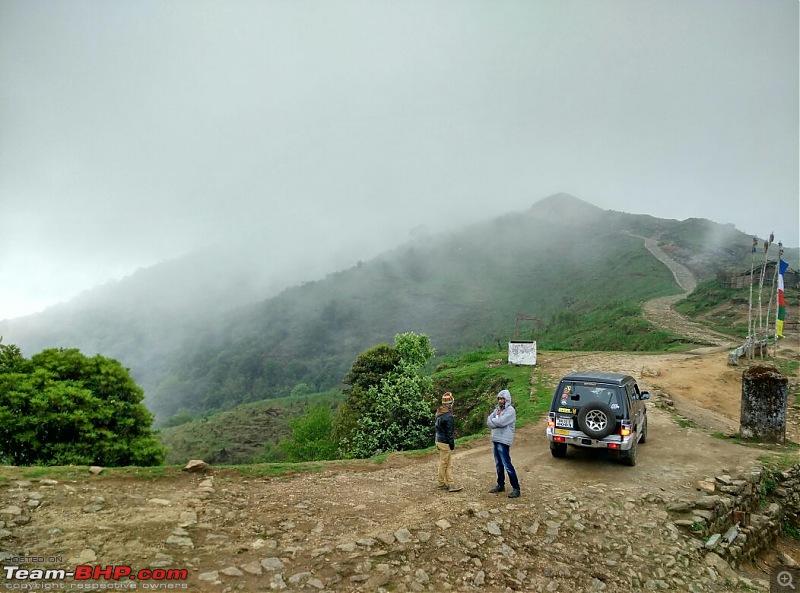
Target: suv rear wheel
(597,420)
(644,431)
(558,449)
(629,457)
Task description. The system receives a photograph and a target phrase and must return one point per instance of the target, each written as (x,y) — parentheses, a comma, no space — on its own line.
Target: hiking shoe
(514,493)
(497,489)
(442,487)
(455,488)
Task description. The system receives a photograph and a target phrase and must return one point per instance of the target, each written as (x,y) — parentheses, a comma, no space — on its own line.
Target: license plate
(562,431)
(563,422)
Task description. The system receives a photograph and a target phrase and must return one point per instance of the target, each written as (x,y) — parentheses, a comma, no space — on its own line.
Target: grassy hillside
(464,291)
(245,434)
(251,432)
(476,377)
(579,271)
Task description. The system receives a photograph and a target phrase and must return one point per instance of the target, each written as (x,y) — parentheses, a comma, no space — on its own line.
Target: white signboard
(522,353)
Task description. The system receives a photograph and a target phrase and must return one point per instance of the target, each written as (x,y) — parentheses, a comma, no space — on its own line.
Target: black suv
(598,410)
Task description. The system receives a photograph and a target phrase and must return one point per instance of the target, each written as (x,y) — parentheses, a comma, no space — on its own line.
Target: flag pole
(767,243)
(777,297)
(750,326)
(769,303)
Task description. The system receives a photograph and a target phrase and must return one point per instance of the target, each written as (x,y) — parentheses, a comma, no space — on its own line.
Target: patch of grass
(723,436)
(790,367)
(785,459)
(379,458)
(768,485)
(70,472)
(790,530)
(787,366)
(419,452)
(683,422)
(149,473)
(737,439)
(274,470)
(79,472)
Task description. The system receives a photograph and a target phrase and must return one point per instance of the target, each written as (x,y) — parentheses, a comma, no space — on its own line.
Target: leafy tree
(401,419)
(11,359)
(312,436)
(414,349)
(368,370)
(399,415)
(61,407)
(300,389)
(371,367)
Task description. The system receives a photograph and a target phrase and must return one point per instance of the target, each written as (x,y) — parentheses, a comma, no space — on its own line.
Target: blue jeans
(502,461)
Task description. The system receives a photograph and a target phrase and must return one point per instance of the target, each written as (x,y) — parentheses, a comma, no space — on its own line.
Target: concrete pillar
(765,391)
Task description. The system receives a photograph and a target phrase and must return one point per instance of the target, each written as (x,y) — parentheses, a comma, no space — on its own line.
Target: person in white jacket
(502,421)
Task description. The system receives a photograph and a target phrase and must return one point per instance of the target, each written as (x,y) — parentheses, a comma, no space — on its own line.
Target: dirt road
(660,313)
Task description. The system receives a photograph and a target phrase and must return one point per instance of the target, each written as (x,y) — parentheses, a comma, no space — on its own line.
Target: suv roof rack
(615,378)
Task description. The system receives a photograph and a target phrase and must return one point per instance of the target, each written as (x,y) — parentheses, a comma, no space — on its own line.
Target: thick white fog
(134,131)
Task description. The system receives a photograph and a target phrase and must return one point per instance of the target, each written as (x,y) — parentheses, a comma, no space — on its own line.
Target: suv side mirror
(644,395)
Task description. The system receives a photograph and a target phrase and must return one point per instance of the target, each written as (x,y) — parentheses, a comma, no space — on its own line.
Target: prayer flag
(782,267)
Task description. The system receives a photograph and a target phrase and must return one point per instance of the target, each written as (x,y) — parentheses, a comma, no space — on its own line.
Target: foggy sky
(132,131)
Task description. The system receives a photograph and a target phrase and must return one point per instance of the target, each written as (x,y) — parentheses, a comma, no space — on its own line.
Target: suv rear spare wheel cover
(597,420)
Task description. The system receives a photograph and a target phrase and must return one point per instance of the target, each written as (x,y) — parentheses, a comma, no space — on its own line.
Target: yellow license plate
(561,431)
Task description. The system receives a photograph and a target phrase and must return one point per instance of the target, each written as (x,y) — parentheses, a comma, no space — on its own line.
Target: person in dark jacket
(502,421)
(445,443)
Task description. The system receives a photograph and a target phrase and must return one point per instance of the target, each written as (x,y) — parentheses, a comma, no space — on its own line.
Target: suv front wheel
(597,420)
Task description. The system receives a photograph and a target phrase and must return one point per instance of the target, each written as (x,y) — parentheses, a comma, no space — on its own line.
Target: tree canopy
(388,406)
(61,407)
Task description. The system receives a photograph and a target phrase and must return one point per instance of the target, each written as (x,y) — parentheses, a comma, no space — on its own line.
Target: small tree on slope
(399,416)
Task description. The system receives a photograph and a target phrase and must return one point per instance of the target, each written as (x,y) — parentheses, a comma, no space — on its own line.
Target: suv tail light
(551,419)
(625,431)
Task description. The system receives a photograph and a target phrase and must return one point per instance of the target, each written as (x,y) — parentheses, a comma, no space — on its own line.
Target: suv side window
(635,396)
(630,390)
(630,398)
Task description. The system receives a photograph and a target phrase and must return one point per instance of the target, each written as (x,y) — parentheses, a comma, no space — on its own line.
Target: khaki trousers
(445,475)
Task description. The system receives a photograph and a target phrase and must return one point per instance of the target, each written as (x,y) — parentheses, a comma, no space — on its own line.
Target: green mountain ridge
(464,289)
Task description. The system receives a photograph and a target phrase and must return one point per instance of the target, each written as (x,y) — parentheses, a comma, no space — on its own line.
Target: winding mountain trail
(660,311)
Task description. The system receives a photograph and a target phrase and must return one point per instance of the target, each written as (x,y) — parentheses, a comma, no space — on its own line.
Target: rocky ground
(584,523)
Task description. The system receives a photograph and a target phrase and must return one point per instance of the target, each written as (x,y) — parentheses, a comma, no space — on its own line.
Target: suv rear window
(576,394)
